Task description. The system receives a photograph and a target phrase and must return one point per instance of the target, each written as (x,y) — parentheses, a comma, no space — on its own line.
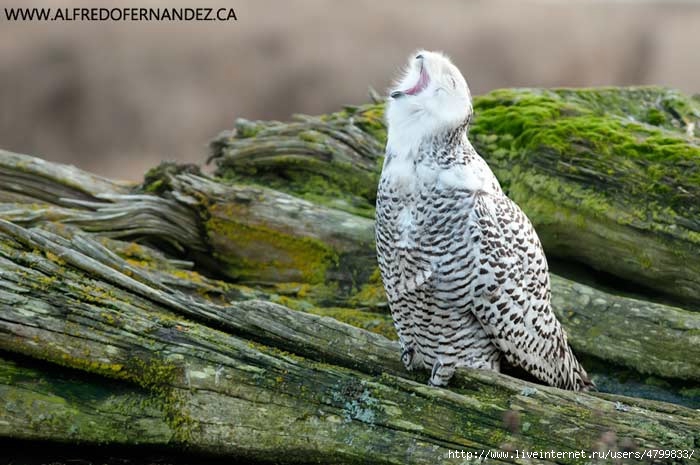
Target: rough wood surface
(263,237)
(254,379)
(193,312)
(31,179)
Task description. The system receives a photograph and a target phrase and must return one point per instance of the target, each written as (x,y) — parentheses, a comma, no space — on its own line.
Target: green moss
(246,129)
(339,185)
(113,370)
(655,117)
(44,283)
(152,374)
(159,378)
(376,322)
(131,251)
(657,106)
(55,258)
(369,118)
(315,298)
(96,293)
(77,359)
(596,146)
(311,136)
(157,180)
(693,392)
(302,296)
(371,294)
(261,253)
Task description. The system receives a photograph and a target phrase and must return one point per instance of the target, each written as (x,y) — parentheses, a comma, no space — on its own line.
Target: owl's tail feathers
(583,381)
(574,376)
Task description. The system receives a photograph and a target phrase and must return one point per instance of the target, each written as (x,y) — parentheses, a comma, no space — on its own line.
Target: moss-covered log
(321,260)
(191,311)
(267,382)
(610,177)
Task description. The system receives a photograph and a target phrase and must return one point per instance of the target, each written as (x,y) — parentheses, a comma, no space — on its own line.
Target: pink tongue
(422,83)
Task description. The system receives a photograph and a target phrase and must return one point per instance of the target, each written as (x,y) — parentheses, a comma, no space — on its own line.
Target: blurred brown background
(116,98)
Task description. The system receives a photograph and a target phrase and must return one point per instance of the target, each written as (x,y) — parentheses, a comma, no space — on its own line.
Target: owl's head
(431,95)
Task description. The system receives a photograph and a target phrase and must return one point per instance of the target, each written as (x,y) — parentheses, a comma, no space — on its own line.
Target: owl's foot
(407,355)
(411,357)
(441,374)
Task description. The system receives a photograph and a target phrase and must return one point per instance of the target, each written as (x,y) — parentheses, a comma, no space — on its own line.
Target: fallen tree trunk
(317,258)
(339,396)
(249,366)
(613,170)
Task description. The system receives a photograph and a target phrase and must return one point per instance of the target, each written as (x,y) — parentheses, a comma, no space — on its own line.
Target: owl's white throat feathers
(432,96)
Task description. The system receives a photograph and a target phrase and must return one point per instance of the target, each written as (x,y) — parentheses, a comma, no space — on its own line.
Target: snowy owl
(462,266)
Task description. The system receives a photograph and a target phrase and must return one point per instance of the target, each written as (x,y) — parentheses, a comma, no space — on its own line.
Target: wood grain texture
(254,379)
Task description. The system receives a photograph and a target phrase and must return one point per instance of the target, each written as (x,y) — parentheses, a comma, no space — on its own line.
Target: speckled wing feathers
(512,294)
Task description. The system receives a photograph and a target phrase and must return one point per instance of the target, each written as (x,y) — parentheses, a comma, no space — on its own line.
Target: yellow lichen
(262,253)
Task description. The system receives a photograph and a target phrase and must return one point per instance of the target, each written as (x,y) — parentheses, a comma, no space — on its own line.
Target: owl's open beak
(423,81)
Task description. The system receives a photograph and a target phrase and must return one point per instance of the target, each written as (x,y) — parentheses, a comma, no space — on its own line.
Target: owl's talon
(433,374)
(407,357)
(441,374)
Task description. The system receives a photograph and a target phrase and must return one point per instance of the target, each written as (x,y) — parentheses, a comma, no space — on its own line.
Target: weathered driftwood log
(609,177)
(30,180)
(253,379)
(316,258)
(221,367)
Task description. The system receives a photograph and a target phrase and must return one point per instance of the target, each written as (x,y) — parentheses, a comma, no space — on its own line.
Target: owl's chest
(418,186)
(407,178)
(412,211)
(404,194)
